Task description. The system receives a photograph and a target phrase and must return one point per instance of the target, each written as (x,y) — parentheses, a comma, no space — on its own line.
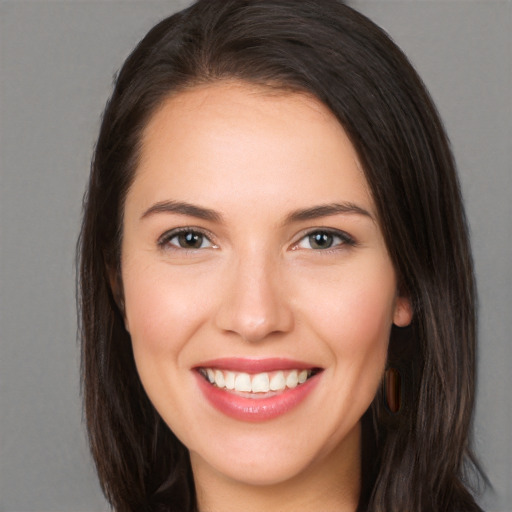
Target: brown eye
(190,240)
(185,239)
(325,239)
(321,240)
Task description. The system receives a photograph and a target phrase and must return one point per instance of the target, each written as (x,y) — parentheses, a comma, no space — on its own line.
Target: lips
(256,390)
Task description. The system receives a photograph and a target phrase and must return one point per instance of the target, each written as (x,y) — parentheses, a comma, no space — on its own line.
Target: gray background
(57,59)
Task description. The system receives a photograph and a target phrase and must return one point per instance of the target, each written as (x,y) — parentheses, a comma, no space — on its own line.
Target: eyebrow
(315,212)
(326,210)
(183,208)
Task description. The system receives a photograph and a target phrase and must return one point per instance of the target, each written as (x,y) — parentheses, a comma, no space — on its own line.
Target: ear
(402,315)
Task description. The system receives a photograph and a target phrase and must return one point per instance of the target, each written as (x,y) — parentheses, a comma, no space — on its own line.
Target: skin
(257,288)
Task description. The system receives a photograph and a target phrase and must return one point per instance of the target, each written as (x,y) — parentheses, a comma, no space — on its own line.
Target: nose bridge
(254,302)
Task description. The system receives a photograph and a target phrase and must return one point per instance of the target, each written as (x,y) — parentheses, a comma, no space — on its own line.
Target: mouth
(256,390)
(259,385)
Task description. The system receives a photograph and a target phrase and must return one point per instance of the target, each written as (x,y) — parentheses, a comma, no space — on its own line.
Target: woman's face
(252,256)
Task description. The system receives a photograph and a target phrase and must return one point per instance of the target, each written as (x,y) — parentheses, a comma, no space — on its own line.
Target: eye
(325,239)
(185,238)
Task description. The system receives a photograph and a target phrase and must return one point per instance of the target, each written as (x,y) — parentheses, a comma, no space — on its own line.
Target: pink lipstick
(255,389)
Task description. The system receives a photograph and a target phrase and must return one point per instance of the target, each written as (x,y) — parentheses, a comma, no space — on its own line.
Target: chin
(269,459)
(257,470)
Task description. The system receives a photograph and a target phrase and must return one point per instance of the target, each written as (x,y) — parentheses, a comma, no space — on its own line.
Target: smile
(249,390)
(259,383)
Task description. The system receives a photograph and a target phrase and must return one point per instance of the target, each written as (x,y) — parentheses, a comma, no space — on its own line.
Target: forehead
(233,96)
(227,141)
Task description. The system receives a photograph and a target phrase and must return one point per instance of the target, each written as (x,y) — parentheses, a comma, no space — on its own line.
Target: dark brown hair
(413,460)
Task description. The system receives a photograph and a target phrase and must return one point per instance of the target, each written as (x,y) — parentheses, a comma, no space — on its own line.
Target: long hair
(419,455)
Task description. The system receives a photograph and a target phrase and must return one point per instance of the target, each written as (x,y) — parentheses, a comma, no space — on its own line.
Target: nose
(254,302)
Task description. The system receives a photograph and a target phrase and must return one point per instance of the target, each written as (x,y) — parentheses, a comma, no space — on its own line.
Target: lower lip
(255,409)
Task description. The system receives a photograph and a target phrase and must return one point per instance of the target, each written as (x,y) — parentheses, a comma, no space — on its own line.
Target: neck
(332,482)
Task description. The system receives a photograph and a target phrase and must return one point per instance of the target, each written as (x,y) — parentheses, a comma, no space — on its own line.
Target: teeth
(278,382)
(219,378)
(243,382)
(259,383)
(292,380)
(229,380)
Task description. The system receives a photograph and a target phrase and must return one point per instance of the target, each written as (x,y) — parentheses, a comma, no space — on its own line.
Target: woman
(276,284)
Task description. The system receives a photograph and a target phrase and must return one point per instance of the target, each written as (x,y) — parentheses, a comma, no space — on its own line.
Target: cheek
(163,307)
(354,314)
(366,317)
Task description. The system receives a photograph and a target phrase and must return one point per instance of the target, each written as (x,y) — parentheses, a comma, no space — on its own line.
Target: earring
(393,390)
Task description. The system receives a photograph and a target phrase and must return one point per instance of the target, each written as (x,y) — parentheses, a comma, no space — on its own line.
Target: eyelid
(346,239)
(163,240)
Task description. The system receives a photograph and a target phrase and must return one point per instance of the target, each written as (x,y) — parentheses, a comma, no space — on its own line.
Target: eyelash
(344,239)
(164,241)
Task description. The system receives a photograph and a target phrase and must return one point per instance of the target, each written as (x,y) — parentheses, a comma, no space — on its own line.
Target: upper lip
(240,364)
